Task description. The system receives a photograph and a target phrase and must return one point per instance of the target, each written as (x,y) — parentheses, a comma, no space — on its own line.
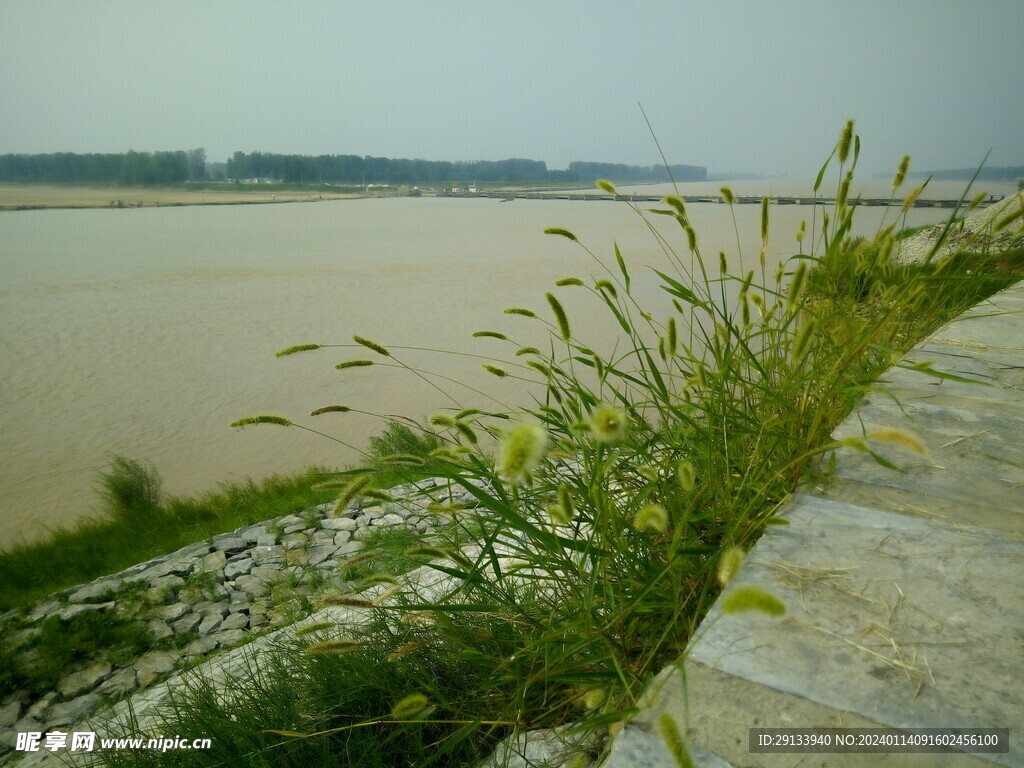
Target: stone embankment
(203,599)
(974,233)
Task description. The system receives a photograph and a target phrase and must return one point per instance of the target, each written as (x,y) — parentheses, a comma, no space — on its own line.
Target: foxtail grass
(612,511)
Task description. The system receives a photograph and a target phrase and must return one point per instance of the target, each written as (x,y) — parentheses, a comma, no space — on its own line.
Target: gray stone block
(235,621)
(186,623)
(118,684)
(209,623)
(72,611)
(173,612)
(230,543)
(154,665)
(9,713)
(200,646)
(251,586)
(71,712)
(83,681)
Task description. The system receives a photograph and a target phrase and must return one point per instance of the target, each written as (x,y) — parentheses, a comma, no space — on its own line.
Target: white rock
(338,524)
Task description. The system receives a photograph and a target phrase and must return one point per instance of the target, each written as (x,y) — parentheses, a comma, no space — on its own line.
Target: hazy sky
(754,85)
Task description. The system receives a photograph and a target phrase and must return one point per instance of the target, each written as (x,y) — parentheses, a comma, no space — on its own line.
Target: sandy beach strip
(15,197)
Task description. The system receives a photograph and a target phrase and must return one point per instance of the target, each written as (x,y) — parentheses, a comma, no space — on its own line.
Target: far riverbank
(23,197)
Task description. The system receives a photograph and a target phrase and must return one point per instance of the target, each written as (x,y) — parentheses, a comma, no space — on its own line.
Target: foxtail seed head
(608,423)
(520,311)
(353,364)
(353,491)
(651,517)
(845,138)
(429,552)
(899,437)
(764,219)
(803,340)
(797,286)
(490,335)
(411,707)
(347,601)
(669,732)
(380,350)
(594,698)
(445,454)
(559,515)
(403,650)
(560,317)
(521,451)
(281,421)
(466,431)
(565,500)
(691,238)
(402,460)
(909,200)
(729,564)
(561,232)
(542,369)
(330,409)
(901,172)
(677,203)
(495,370)
(687,477)
(727,195)
(750,598)
(443,420)
(296,348)
(844,190)
(568,281)
(608,287)
(977,200)
(606,185)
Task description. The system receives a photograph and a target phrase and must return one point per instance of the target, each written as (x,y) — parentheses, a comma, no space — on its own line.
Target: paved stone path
(904,590)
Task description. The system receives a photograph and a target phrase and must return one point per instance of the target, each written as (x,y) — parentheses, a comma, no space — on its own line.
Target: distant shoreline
(28,197)
(42,196)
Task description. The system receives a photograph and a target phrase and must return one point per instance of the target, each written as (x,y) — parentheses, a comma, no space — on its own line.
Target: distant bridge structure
(739,200)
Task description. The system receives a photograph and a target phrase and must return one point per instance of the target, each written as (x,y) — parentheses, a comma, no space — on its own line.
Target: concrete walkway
(904,589)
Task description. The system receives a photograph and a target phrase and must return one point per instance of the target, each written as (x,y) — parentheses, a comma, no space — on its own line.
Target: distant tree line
(1005,173)
(353,169)
(126,168)
(173,167)
(625,173)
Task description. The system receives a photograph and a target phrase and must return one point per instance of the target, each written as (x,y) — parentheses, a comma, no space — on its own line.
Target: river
(145,332)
